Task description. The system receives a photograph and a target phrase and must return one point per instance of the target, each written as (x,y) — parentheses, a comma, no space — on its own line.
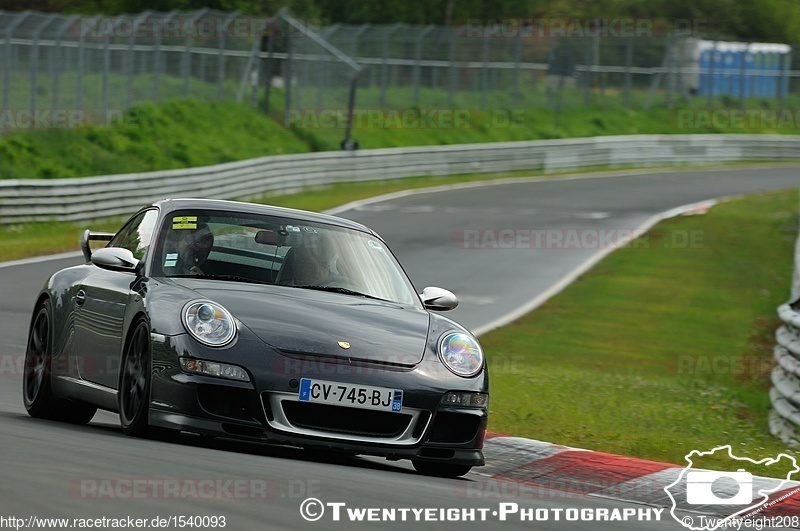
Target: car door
(102,303)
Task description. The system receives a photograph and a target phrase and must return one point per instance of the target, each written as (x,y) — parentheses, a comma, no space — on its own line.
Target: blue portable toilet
(739,69)
(704,63)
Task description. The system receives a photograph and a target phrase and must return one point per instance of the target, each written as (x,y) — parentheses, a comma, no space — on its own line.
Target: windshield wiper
(345,291)
(222,277)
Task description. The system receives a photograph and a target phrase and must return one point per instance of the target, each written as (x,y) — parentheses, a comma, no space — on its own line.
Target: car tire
(36,391)
(442,470)
(133,396)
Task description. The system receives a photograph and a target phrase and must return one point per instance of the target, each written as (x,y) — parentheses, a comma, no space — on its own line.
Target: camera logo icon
(699,487)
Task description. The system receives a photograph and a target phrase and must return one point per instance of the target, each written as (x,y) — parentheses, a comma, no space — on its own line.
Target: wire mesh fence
(58,68)
(58,71)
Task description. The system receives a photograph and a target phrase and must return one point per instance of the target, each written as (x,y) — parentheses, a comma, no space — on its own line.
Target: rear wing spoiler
(89,236)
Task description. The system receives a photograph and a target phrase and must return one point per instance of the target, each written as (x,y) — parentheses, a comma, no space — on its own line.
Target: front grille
(454,428)
(345,420)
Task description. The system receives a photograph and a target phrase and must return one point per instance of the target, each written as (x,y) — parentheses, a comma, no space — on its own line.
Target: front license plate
(342,394)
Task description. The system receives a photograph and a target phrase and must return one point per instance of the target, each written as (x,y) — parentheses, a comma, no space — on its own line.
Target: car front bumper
(267,407)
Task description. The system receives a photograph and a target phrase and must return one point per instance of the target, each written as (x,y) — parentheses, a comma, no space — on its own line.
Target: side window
(137,234)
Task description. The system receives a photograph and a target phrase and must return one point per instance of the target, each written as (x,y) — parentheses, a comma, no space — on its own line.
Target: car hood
(308,322)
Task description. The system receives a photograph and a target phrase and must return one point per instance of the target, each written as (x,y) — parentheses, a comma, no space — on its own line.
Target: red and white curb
(572,471)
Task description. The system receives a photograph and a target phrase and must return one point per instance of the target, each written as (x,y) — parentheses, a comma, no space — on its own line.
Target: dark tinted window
(137,234)
(281,251)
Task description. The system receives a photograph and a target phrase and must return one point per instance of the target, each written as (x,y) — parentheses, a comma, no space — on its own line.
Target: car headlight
(461,353)
(209,323)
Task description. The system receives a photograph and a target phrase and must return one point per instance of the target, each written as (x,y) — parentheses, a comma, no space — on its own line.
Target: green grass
(177,134)
(188,133)
(23,240)
(661,348)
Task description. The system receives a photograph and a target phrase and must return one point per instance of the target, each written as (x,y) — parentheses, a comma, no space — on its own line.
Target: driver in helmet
(187,248)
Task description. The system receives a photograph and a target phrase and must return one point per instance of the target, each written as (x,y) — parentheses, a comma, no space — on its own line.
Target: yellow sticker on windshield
(184,222)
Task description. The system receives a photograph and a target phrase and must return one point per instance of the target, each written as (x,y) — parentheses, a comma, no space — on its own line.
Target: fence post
(271,25)
(221,54)
(288,76)
(58,63)
(157,58)
(130,65)
(418,61)
(743,76)
(484,69)
(187,54)
(588,71)
(33,61)
(82,63)
(517,63)
(385,64)
(7,63)
(452,85)
(670,72)
(628,66)
(106,68)
(786,62)
(710,100)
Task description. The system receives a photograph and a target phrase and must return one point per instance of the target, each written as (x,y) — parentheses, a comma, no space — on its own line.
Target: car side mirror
(116,259)
(438,299)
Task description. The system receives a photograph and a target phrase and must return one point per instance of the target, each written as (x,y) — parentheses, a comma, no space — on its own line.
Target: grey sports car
(259,323)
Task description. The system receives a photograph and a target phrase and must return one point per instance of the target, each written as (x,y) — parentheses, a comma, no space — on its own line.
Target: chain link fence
(56,69)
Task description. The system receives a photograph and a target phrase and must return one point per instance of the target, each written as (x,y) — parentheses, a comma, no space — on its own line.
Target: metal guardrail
(784,421)
(114,195)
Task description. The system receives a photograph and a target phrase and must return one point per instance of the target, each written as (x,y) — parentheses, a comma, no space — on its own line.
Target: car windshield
(279,251)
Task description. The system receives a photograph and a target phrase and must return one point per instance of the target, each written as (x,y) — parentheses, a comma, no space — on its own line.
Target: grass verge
(663,347)
(189,133)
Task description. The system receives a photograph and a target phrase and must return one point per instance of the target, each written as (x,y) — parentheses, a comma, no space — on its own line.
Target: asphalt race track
(52,470)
